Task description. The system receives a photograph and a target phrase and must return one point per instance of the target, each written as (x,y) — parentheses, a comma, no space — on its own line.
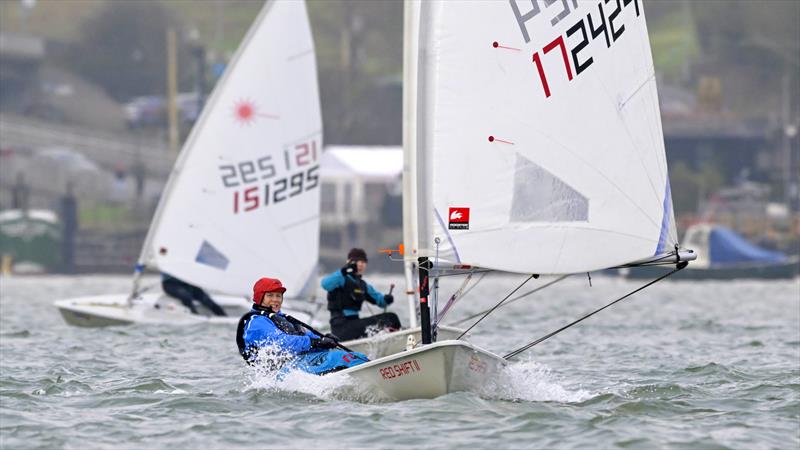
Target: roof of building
(375,162)
(20,46)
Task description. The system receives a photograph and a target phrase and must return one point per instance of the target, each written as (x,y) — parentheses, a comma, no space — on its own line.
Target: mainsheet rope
(519,297)
(516,352)
(497,305)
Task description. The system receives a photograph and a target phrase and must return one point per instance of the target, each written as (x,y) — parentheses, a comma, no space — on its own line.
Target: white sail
(539,146)
(243,199)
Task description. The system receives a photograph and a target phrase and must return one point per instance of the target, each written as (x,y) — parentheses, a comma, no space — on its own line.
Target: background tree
(123,48)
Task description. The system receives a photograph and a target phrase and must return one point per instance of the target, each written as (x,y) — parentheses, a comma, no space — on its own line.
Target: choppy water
(680,365)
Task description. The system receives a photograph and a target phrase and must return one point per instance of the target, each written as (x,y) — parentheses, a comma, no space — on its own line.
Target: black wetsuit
(187,293)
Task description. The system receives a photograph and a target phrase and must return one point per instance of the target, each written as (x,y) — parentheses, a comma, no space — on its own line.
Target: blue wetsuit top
(258,330)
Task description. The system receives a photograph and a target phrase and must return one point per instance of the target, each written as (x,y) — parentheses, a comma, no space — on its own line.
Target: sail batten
(539,142)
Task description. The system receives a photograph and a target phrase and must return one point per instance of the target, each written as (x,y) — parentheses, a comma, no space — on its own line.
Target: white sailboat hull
(156,308)
(385,344)
(430,371)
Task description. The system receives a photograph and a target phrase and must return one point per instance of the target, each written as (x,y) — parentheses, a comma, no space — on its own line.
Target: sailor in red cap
(265,326)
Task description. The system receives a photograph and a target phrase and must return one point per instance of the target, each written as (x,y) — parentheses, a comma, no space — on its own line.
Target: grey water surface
(679,365)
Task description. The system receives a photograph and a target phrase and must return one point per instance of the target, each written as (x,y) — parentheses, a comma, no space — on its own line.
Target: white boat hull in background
(156,308)
(430,371)
(384,344)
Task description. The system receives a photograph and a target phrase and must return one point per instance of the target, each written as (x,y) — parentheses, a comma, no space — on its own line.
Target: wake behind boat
(243,197)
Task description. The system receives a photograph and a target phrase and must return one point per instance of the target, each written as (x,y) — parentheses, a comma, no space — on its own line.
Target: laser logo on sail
(458,219)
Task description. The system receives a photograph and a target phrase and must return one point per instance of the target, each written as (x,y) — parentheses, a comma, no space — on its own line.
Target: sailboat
(533,145)
(726,255)
(243,199)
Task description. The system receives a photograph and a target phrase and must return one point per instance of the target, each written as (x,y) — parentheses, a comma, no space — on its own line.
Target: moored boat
(725,255)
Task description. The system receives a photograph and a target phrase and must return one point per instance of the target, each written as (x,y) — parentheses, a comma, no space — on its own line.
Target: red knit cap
(264,285)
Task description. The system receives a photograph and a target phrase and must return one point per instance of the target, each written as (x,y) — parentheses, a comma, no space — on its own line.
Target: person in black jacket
(347,291)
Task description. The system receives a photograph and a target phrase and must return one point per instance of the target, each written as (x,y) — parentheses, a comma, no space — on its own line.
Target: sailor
(347,291)
(291,345)
(188,293)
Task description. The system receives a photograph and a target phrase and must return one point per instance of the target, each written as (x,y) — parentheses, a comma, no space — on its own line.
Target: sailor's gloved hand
(388,299)
(332,336)
(323,343)
(350,268)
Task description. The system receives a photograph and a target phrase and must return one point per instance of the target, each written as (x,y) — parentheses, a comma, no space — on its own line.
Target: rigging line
(519,297)
(516,352)
(664,259)
(462,273)
(497,305)
(483,275)
(446,233)
(143,290)
(452,300)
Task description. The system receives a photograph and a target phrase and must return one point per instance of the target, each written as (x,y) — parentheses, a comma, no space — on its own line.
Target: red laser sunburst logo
(245,112)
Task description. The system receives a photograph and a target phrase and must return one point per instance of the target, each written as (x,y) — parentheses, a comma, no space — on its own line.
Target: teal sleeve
(332,281)
(377,297)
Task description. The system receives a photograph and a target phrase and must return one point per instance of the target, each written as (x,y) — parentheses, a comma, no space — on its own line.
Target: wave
(534,382)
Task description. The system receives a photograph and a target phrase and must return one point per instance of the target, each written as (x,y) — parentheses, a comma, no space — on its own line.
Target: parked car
(68,159)
(148,111)
(151,111)
(188,107)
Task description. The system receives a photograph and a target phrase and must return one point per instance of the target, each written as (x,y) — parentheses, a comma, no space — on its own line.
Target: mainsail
(539,146)
(243,199)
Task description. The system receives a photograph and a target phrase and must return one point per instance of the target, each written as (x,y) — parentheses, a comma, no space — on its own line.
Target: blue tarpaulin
(726,247)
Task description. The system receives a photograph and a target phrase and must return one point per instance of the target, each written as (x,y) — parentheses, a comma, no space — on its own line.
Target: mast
(424,291)
(410,228)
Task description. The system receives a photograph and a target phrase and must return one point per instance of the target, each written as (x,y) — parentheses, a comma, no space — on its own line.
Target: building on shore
(361,203)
